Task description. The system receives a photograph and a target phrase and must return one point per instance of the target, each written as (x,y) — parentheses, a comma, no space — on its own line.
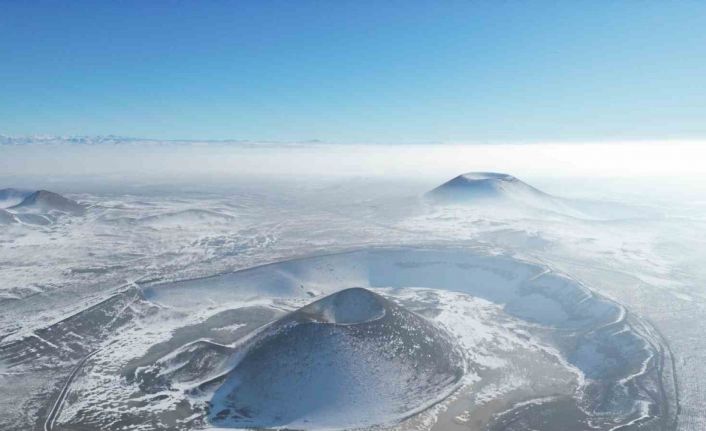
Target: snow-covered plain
(100,313)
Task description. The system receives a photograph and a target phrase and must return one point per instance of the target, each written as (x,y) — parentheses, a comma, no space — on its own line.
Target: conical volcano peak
(44,200)
(377,364)
(480,176)
(484,186)
(347,307)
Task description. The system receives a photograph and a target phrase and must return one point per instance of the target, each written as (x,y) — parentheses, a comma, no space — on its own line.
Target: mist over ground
(668,169)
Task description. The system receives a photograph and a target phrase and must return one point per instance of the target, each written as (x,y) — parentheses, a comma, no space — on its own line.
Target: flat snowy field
(143,239)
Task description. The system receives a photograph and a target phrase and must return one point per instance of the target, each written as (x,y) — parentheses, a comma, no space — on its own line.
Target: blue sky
(355,71)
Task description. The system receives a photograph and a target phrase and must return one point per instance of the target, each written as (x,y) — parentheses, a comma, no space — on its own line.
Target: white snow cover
(339,363)
(347,307)
(652,264)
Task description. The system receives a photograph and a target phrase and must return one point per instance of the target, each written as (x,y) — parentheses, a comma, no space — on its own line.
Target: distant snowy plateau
(482,303)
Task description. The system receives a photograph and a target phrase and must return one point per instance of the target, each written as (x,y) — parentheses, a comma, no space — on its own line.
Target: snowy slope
(7,217)
(349,360)
(11,197)
(476,186)
(44,201)
(503,192)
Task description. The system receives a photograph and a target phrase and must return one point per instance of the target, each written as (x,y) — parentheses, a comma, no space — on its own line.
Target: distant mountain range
(73,140)
(123,140)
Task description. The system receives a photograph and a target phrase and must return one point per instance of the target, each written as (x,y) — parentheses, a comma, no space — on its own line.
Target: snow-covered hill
(504,192)
(35,207)
(10,197)
(44,201)
(349,360)
(482,188)
(64,140)
(475,186)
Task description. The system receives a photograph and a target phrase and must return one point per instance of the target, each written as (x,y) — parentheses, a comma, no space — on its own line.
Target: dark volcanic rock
(349,360)
(475,186)
(45,201)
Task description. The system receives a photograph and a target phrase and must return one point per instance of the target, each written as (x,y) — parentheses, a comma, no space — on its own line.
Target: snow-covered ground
(142,240)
